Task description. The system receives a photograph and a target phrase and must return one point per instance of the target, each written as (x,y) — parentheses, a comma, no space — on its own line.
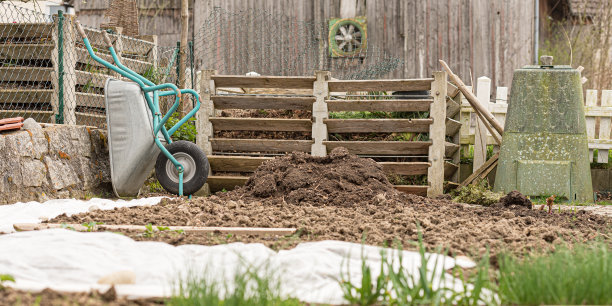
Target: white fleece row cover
(34,212)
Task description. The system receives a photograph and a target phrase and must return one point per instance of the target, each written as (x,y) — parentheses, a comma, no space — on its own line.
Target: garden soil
(10,296)
(343,197)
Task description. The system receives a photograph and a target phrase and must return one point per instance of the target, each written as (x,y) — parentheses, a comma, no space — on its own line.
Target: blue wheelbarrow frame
(156,91)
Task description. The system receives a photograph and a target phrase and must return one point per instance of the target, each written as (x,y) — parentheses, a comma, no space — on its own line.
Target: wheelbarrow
(137,137)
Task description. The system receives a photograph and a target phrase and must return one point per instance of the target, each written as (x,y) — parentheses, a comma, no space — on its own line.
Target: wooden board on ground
(261,124)
(413,189)
(220,182)
(405,168)
(258,231)
(260,145)
(221,163)
(481,172)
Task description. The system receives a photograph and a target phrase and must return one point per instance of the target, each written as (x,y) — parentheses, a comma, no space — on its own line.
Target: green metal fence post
(59,117)
(178,63)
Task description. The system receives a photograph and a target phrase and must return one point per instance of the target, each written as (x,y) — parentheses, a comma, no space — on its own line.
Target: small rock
(124,277)
(110,295)
(31,125)
(380,198)
(93,208)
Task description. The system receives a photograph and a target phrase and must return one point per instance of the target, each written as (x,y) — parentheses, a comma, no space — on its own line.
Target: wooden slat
(25,74)
(260,145)
(452,127)
(261,102)
(452,108)
(404,105)
(294,82)
(222,163)
(380,85)
(39,115)
(450,149)
(261,124)
(90,119)
(409,148)
(218,183)
(26,51)
(377,125)
(129,45)
(598,111)
(452,90)
(136,65)
(188,229)
(26,30)
(413,189)
(405,168)
(90,100)
(8,96)
(94,79)
(449,169)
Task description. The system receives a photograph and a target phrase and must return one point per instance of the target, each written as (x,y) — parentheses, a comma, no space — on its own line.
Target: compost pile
(339,179)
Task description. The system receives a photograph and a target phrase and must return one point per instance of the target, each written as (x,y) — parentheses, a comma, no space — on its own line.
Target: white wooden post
(591,100)
(69,65)
(604,126)
(437,135)
(480,137)
(320,113)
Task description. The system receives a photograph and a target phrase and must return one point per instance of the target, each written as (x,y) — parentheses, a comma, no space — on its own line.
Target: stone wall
(55,161)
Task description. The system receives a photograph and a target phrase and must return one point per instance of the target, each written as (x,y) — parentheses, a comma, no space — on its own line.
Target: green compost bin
(544,149)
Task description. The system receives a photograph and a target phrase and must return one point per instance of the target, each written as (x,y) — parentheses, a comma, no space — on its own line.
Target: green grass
(249,288)
(578,275)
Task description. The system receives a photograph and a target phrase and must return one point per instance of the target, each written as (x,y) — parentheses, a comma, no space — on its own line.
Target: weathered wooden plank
(405,168)
(261,124)
(38,115)
(9,96)
(25,74)
(262,102)
(260,145)
(452,108)
(136,65)
(413,189)
(26,51)
(452,127)
(221,163)
(218,182)
(435,175)
(449,169)
(380,85)
(450,149)
(90,100)
(92,79)
(293,82)
(401,148)
(26,30)
(130,45)
(90,119)
(377,125)
(403,105)
(188,229)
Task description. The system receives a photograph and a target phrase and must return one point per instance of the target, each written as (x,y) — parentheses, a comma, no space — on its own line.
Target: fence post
(591,100)
(437,135)
(320,113)
(207,110)
(604,126)
(64,65)
(483,93)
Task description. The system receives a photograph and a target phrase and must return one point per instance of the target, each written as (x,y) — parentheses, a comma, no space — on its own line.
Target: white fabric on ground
(34,212)
(71,261)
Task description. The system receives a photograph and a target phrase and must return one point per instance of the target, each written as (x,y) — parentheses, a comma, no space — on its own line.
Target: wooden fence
(597,122)
(30,73)
(233,157)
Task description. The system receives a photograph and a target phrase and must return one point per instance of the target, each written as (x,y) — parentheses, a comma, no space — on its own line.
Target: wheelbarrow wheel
(195,166)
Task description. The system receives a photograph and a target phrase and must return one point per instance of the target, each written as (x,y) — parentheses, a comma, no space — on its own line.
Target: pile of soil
(343,197)
(339,179)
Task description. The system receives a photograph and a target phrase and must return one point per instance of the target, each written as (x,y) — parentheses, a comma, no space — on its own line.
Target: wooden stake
(258,231)
(185,108)
(478,108)
(482,171)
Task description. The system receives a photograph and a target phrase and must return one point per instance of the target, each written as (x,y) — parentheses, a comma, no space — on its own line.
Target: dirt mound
(339,179)
(515,198)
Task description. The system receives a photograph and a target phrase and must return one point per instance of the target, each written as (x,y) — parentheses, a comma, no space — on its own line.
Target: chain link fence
(47,74)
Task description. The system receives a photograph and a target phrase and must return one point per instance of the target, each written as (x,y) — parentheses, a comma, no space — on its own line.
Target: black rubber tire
(201,168)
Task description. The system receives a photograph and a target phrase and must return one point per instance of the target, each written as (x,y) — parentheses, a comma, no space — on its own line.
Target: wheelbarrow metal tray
(131,147)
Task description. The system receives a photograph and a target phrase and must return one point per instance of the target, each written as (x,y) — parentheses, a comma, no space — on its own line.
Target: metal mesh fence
(274,44)
(47,74)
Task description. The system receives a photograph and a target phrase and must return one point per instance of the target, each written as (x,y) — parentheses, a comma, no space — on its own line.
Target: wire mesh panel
(274,44)
(26,70)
